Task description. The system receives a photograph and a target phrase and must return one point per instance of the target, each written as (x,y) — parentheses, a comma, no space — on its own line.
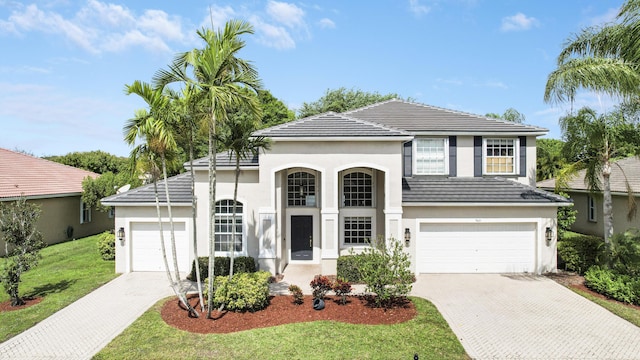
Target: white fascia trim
(446,204)
(475,133)
(143,204)
(345,138)
(45,196)
(229,168)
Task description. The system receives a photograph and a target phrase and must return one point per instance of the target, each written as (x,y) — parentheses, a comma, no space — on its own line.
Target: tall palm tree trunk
(194,215)
(162,247)
(233,219)
(607,206)
(212,208)
(172,232)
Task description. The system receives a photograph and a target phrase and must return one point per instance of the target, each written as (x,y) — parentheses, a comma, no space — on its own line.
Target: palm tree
(153,126)
(604,59)
(188,111)
(221,76)
(592,143)
(236,137)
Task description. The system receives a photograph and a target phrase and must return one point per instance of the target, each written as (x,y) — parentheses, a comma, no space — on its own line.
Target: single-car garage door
(476,248)
(146,253)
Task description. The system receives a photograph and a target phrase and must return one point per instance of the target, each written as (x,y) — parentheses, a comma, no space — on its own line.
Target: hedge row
(241,264)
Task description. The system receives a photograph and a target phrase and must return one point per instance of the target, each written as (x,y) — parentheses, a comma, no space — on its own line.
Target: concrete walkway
(83,328)
(526,317)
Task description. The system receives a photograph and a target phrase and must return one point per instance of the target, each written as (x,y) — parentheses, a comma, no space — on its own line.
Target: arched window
(224,226)
(301,189)
(357,189)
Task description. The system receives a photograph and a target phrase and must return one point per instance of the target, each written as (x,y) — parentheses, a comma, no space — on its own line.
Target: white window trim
(244,231)
(516,155)
(445,142)
(374,189)
(82,209)
(357,212)
(592,209)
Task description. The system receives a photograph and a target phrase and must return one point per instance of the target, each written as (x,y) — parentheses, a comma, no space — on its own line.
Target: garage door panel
(473,247)
(146,250)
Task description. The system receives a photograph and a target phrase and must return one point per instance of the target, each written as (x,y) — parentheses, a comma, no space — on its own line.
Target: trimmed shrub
(107,245)
(244,292)
(579,253)
(321,285)
(241,264)
(385,269)
(347,268)
(619,287)
(296,292)
(342,288)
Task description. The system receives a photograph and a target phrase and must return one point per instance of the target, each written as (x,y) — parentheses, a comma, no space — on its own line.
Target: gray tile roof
(224,160)
(473,190)
(329,125)
(179,191)
(419,118)
(630,168)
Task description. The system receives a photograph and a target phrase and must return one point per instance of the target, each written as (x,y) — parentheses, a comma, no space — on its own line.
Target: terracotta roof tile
(26,175)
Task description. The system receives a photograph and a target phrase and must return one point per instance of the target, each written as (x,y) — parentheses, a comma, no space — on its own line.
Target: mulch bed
(28,301)
(281,310)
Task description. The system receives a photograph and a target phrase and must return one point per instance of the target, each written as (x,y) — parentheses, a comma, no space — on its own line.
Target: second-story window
(430,156)
(500,156)
(357,189)
(301,189)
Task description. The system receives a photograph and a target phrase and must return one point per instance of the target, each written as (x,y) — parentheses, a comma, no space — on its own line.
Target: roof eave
(119,203)
(491,204)
(341,138)
(482,133)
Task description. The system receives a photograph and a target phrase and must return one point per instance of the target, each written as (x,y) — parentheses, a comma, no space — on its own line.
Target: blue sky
(65,63)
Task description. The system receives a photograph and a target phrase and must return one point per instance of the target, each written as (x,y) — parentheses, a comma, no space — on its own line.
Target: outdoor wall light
(407,237)
(548,234)
(121,235)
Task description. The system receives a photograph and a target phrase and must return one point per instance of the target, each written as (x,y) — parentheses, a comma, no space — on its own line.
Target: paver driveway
(526,317)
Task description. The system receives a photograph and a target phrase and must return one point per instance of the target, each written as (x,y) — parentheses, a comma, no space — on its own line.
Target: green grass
(427,335)
(66,272)
(630,314)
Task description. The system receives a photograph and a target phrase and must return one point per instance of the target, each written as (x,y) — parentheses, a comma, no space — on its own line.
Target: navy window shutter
(407,157)
(477,156)
(453,162)
(523,156)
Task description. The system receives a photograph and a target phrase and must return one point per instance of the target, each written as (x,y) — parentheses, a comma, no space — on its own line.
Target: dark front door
(302,237)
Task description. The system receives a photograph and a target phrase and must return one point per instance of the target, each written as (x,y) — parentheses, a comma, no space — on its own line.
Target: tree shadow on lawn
(47,289)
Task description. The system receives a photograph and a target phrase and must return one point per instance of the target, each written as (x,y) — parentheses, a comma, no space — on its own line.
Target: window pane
(430,157)
(357,189)
(301,189)
(500,156)
(363,233)
(223,226)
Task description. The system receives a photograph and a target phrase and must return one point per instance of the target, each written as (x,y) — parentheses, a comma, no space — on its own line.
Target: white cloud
(417,8)
(495,84)
(327,23)
(287,14)
(218,15)
(99,27)
(273,36)
(518,22)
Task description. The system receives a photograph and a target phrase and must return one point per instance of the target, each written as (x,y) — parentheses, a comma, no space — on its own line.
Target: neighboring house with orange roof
(57,189)
(589,219)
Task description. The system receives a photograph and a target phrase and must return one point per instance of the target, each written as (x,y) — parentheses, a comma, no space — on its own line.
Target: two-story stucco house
(457,189)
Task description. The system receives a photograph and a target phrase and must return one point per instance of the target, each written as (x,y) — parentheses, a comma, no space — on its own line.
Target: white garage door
(476,248)
(146,253)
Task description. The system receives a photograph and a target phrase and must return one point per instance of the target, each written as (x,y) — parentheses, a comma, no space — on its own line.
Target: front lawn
(67,272)
(427,335)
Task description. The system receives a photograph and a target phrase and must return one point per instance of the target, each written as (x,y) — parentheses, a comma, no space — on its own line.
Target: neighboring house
(57,189)
(589,218)
(458,187)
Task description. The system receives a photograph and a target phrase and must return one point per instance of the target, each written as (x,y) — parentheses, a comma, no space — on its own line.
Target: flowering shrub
(320,285)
